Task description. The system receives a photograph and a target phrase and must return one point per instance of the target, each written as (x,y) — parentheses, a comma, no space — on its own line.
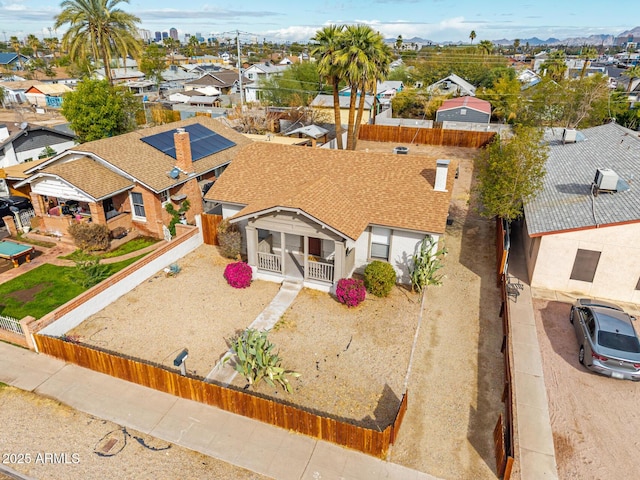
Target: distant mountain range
(604,40)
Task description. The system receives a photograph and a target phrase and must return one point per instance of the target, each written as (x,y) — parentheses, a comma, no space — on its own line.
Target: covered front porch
(288,245)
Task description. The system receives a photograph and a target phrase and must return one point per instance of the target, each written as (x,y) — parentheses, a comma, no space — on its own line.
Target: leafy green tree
(586,54)
(586,102)
(511,172)
(504,97)
(296,86)
(97,28)
(96,109)
(256,360)
(152,63)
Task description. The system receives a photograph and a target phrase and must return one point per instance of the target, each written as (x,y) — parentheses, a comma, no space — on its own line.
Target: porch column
(252,245)
(283,248)
(305,252)
(339,261)
(97,213)
(38,204)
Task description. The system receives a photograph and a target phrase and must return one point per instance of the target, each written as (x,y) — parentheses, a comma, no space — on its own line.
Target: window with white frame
(137,203)
(380,241)
(164,197)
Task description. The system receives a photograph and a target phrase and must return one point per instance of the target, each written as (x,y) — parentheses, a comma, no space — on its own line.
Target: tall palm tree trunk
(356,127)
(351,128)
(337,117)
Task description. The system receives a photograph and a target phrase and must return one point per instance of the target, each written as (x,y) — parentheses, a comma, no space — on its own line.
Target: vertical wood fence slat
(366,440)
(210,228)
(425,136)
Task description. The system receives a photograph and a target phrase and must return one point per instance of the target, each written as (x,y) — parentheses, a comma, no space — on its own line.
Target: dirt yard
(595,419)
(353,361)
(62,430)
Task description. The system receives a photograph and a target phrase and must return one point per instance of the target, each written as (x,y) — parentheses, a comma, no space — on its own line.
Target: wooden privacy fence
(503,434)
(159,377)
(210,228)
(425,136)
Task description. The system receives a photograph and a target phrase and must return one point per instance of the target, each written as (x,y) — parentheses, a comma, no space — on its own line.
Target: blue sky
(436,20)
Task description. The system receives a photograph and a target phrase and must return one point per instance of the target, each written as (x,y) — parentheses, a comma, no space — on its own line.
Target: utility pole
(239,69)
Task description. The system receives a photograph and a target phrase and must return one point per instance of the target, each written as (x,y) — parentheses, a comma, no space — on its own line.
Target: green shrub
(90,236)
(176,215)
(89,271)
(379,278)
(230,239)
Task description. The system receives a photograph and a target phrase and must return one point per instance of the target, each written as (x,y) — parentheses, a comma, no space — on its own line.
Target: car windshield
(617,341)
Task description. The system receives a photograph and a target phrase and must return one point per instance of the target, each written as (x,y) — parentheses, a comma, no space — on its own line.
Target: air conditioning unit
(401,150)
(606,179)
(569,135)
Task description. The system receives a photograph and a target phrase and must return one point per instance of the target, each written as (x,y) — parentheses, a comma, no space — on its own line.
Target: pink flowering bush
(238,274)
(350,291)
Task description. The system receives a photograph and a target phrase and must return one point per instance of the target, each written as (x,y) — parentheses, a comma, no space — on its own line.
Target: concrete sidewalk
(253,445)
(535,437)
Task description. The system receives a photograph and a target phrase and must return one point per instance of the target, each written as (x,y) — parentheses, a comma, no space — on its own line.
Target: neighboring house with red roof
(464,109)
(320,215)
(47,94)
(127,180)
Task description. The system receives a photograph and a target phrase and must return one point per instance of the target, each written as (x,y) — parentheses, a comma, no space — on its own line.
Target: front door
(315,246)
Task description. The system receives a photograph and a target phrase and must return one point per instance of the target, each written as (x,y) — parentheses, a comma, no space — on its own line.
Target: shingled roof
(566,202)
(345,190)
(102,184)
(150,166)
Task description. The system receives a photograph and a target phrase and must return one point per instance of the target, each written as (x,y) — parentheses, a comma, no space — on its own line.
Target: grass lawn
(44,289)
(133,245)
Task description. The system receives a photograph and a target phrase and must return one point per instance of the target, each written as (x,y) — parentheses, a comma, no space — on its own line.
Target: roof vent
(174,173)
(569,135)
(606,179)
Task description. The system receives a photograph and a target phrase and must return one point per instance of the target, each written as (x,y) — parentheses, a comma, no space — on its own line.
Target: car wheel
(571,315)
(581,355)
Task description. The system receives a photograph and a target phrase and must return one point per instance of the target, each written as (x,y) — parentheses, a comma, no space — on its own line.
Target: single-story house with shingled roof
(464,109)
(581,232)
(320,215)
(126,181)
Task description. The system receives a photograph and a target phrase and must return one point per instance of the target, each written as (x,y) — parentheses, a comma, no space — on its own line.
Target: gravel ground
(34,428)
(353,361)
(594,419)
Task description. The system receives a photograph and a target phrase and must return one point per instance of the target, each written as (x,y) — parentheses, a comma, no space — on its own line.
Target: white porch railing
(11,324)
(320,271)
(270,262)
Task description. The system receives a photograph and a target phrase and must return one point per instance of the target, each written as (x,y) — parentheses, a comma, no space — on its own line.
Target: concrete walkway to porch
(223,371)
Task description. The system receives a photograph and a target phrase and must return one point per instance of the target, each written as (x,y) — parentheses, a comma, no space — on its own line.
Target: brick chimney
(442,168)
(183,150)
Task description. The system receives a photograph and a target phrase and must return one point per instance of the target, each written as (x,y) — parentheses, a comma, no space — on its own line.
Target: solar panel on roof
(204,142)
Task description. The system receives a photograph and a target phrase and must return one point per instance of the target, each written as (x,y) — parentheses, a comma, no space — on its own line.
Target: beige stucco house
(581,232)
(319,215)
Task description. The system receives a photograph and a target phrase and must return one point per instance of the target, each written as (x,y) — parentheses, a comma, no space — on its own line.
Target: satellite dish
(174,173)
(23,125)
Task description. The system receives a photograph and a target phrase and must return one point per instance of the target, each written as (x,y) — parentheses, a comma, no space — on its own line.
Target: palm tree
(516,45)
(587,54)
(52,44)
(33,43)
(365,59)
(472,36)
(555,65)
(326,47)
(100,29)
(632,73)
(195,44)
(486,47)
(16,46)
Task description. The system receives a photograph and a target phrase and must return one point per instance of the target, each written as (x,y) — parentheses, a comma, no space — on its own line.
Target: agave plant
(256,360)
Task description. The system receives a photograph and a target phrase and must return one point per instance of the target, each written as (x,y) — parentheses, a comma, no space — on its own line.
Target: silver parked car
(608,341)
